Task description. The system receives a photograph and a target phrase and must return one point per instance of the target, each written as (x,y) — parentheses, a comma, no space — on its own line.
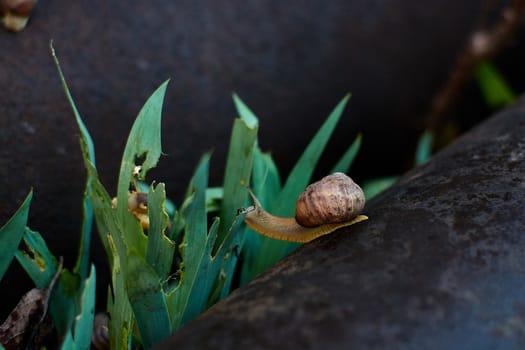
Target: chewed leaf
(37,260)
(161,249)
(11,234)
(143,147)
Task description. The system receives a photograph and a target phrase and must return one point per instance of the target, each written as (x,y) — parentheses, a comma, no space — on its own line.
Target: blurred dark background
(291,62)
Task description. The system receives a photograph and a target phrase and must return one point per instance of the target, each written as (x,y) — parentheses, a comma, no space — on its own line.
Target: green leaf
(493,86)
(119,309)
(84,320)
(424,147)
(195,249)
(37,261)
(348,157)
(88,152)
(160,250)
(147,300)
(237,175)
(199,274)
(214,198)
(301,173)
(373,187)
(298,179)
(11,234)
(266,185)
(143,147)
(42,266)
(87,142)
(63,305)
(245,113)
(266,181)
(68,343)
(236,180)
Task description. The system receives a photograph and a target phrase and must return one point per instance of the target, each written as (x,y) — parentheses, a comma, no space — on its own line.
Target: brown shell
(334,198)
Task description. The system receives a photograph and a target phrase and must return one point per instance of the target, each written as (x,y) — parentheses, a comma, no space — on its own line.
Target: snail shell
(334,198)
(339,207)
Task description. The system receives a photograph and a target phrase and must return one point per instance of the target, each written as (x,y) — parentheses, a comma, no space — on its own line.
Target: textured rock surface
(439,265)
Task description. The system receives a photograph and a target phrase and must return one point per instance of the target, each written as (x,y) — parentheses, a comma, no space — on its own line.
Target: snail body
(325,206)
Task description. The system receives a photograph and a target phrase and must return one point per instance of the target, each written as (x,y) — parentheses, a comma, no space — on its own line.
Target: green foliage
(11,234)
(260,252)
(142,292)
(375,186)
(88,149)
(67,296)
(424,147)
(493,86)
(152,294)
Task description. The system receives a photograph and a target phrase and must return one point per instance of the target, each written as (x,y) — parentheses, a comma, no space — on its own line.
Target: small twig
(483,45)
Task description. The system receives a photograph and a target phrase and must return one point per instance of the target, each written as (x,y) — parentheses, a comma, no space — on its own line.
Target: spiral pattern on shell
(334,198)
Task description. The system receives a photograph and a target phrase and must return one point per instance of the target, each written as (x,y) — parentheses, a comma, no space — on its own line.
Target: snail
(333,202)
(100,333)
(137,201)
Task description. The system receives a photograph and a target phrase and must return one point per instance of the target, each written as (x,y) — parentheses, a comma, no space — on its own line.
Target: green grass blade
(63,304)
(84,320)
(373,187)
(143,146)
(424,147)
(266,181)
(300,176)
(302,172)
(84,133)
(160,250)
(38,262)
(493,86)
(88,152)
(199,280)
(68,343)
(348,157)
(245,113)
(199,277)
(214,199)
(120,313)
(236,180)
(42,266)
(237,175)
(194,246)
(266,185)
(147,300)
(11,234)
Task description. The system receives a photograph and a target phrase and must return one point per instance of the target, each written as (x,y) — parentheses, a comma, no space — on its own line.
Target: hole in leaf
(33,255)
(140,158)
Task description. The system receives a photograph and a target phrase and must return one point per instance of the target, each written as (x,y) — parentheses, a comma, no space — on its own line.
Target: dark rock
(440,264)
(290,62)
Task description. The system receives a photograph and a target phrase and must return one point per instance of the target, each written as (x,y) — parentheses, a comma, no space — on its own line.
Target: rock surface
(439,265)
